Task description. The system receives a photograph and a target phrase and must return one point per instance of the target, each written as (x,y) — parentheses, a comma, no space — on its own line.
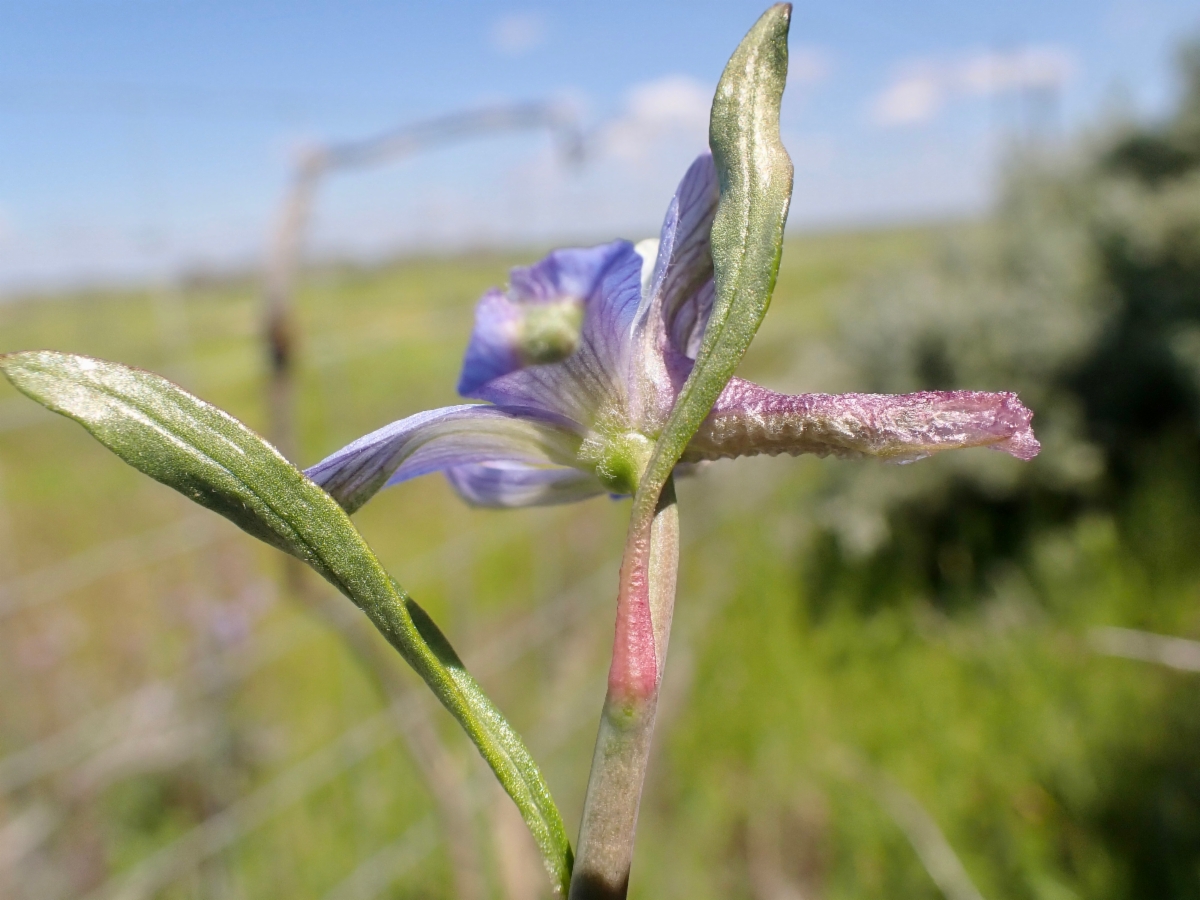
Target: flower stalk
(644,610)
(755,176)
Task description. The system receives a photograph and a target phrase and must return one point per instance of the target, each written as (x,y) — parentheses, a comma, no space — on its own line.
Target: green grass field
(203,736)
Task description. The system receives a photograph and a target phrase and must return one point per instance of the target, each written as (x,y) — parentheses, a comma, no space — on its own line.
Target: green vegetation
(845,631)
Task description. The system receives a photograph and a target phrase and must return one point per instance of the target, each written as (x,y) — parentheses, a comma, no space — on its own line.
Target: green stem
(606,833)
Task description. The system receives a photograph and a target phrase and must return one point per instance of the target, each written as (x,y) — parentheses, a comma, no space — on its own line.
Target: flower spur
(580,361)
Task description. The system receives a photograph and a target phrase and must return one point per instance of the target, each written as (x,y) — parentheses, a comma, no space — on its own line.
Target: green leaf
(215,460)
(747,236)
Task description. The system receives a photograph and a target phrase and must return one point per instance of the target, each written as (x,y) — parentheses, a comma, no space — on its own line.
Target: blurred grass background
(870,663)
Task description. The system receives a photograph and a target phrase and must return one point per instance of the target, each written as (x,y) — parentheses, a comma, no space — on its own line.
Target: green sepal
(212,458)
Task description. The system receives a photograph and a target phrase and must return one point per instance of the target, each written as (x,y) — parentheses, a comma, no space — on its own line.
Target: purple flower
(580,362)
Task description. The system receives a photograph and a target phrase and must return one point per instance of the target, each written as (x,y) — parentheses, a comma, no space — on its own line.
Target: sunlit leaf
(215,460)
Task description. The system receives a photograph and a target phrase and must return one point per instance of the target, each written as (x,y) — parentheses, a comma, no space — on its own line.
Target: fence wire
(109,558)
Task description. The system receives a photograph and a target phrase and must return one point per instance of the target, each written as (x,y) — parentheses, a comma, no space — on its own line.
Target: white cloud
(808,66)
(675,99)
(986,74)
(921,89)
(672,108)
(909,99)
(517,33)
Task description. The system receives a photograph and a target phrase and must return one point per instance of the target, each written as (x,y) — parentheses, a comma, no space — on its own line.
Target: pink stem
(644,608)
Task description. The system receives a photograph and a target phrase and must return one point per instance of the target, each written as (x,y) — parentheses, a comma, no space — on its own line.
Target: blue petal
(593,377)
(441,439)
(492,351)
(680,295)
(507,485)
(565,276)
(573,273)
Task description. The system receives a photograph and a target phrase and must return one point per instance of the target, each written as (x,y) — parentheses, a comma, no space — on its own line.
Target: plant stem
(648,576)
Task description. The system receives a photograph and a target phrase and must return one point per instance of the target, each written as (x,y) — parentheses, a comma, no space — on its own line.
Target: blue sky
(138,138)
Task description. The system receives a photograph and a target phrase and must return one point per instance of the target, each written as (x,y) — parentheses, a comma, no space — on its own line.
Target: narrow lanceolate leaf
(215,460)
(747,236)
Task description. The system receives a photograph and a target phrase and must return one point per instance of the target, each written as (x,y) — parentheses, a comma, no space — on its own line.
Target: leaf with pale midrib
(212,458)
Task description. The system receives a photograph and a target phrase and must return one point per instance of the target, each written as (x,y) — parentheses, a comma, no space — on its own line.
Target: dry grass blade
(1128,643)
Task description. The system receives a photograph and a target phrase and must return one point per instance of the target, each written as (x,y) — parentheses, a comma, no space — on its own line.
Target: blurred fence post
(8,555)
(280,329)
(279,326)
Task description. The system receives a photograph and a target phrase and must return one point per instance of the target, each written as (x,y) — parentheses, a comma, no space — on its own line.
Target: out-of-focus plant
(1083,294)
(602,370)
